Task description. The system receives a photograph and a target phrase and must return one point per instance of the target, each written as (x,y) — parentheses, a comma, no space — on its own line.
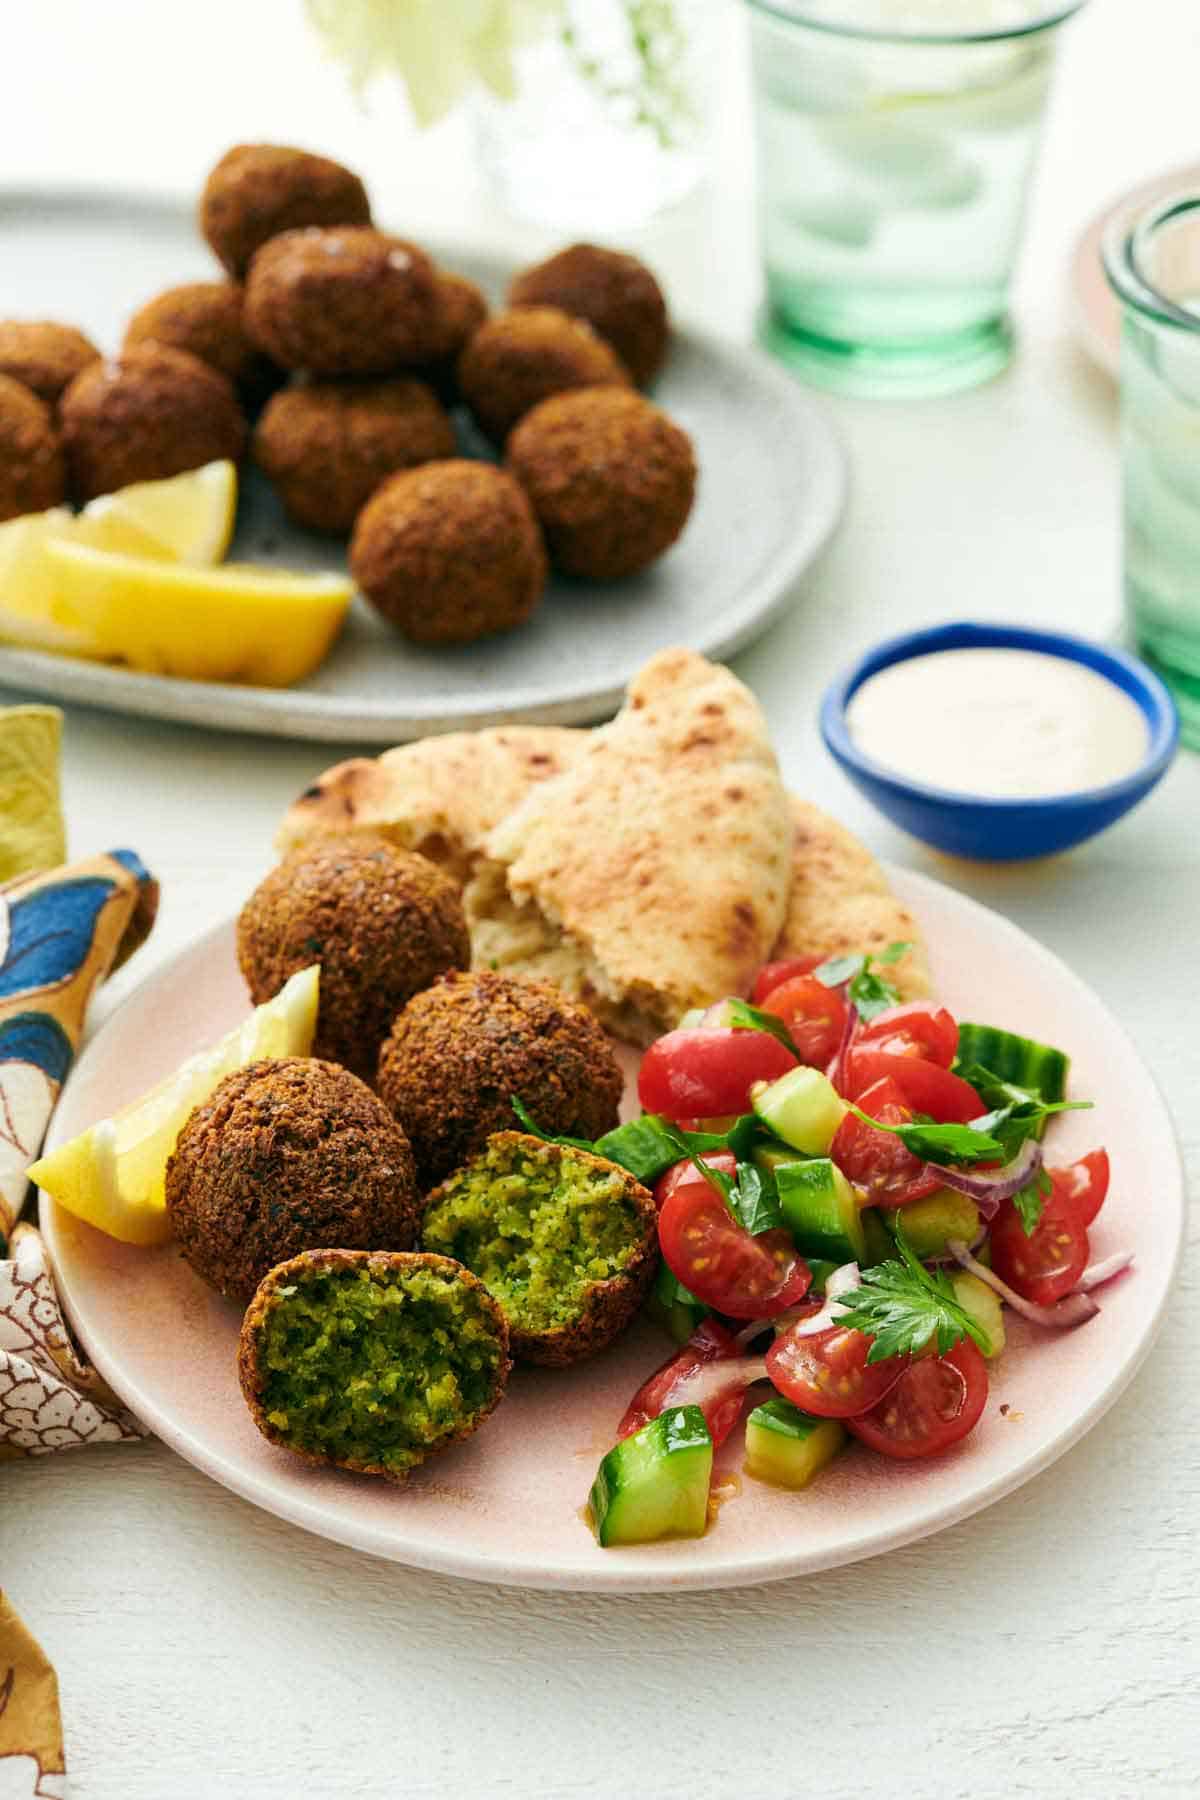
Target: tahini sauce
(1005,724)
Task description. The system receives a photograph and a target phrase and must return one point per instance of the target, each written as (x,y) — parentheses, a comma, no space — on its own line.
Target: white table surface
(1046,1647)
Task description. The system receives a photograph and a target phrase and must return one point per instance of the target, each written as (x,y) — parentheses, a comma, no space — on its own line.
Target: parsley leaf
(868,992)
(893,953)
(744,1017)
(530,1124)
(837,969)
(903,1306)
(755,1202)
(940,1143)
(1031,1199)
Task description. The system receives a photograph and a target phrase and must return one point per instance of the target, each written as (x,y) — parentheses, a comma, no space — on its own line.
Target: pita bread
(840,902)
(659,862)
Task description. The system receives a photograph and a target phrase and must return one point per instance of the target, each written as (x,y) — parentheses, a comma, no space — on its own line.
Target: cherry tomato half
(936,1401)
(926,1087)
(828,1373)
(1083,1185)
(710,1342)
(876,1161)
(716,1259)
(916,1028)
(708,1070)
(814,1015)
(1045,1265)
(774,974)
(685,1172)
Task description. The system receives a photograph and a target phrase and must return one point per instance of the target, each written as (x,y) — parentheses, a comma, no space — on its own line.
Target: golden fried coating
(258,190)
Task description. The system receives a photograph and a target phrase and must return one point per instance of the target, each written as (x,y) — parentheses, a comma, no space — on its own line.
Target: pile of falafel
(351,348)
(395,1241)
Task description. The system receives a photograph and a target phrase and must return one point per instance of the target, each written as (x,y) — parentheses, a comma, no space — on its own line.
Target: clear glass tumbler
(895,142)
(1154,269)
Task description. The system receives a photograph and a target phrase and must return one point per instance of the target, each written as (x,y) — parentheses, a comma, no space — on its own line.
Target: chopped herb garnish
(1030,1200)
(903,1306)
(869,993)
(754,1202)
(1011,1125)
(744,1017)
(530,1124)
(940,1143)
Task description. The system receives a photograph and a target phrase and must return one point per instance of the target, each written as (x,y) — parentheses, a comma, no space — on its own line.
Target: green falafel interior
(374,1361)
(540,1224)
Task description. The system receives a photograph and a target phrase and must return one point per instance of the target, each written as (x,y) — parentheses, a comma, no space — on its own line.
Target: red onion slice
(1101,1272)
(710,1380)
(1075,1309)
(842,1281)
(988,1187)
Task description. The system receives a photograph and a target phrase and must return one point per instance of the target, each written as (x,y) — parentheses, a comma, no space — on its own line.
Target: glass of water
(895,143)
(1153,266)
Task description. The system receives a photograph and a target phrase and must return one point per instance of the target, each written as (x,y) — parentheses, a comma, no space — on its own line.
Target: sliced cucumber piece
(802,1108)
(788,1447)
(928,1224)
(655,1483)
(1039,1068)
(674,1307)
(976,1297)
(821,1210)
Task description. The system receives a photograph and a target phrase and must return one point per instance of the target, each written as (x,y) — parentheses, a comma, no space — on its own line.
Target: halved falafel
(44,356)
(611,477)
(615,292)
(150,413)
(382,922)
(450,552)
(459,1051)
(287,1155)
(205,318)
(327,445)
(32,473)
(566,1242)
(343,301)
(258,190)
(518,358)
(371,1361)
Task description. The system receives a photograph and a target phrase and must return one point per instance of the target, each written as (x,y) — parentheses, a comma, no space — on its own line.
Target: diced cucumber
(655,1483)
(976,1297)
(672,1306)
(644,1146)
(881,1246)
(929,1223)
(821,1210)
(802,1108)
(788,1447)
(1039,1068)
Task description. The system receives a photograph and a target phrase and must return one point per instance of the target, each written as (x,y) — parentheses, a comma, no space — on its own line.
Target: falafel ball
(150,413)
(327,445)
(459,1052)
(518,358)
(343,301)
(258,190)
(449,552)
(565,1241)
(462,310)
(287,1155)
(32,472)
(383,923)
(44,356)
(611,478)
(371,1361)
(205,317)
(617,295)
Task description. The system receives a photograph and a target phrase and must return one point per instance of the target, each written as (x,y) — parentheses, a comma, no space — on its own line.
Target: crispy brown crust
(462,309)
(382,922)
(44,356)
(519,358)
(258,190)
(151,413)
(617,295)
(449,552)
(328,445)
(32,473)
(205,319)
(608,1306)
(285,1156)
(611,477)
(343,301)
(460,1050)
(250,1375)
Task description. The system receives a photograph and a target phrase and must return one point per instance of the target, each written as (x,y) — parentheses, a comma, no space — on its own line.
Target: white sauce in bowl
(1000,723)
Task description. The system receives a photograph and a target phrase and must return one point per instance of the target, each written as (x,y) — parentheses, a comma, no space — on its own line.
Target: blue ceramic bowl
(993,830)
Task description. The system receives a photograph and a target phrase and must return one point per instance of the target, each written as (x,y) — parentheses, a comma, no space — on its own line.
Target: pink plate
(506,1506)
(1097,314)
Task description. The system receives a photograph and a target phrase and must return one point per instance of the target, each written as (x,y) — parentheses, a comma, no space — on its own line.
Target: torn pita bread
(840,902)
(653,875)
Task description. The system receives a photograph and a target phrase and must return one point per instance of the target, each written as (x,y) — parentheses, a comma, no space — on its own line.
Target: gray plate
(772,487)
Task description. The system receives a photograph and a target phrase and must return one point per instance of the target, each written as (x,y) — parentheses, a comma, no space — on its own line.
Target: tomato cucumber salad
(850,1188)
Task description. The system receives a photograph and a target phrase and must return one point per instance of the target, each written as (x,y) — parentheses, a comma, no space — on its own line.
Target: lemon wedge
(27,585)
(112,1174)
(240,622)
(187,518)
